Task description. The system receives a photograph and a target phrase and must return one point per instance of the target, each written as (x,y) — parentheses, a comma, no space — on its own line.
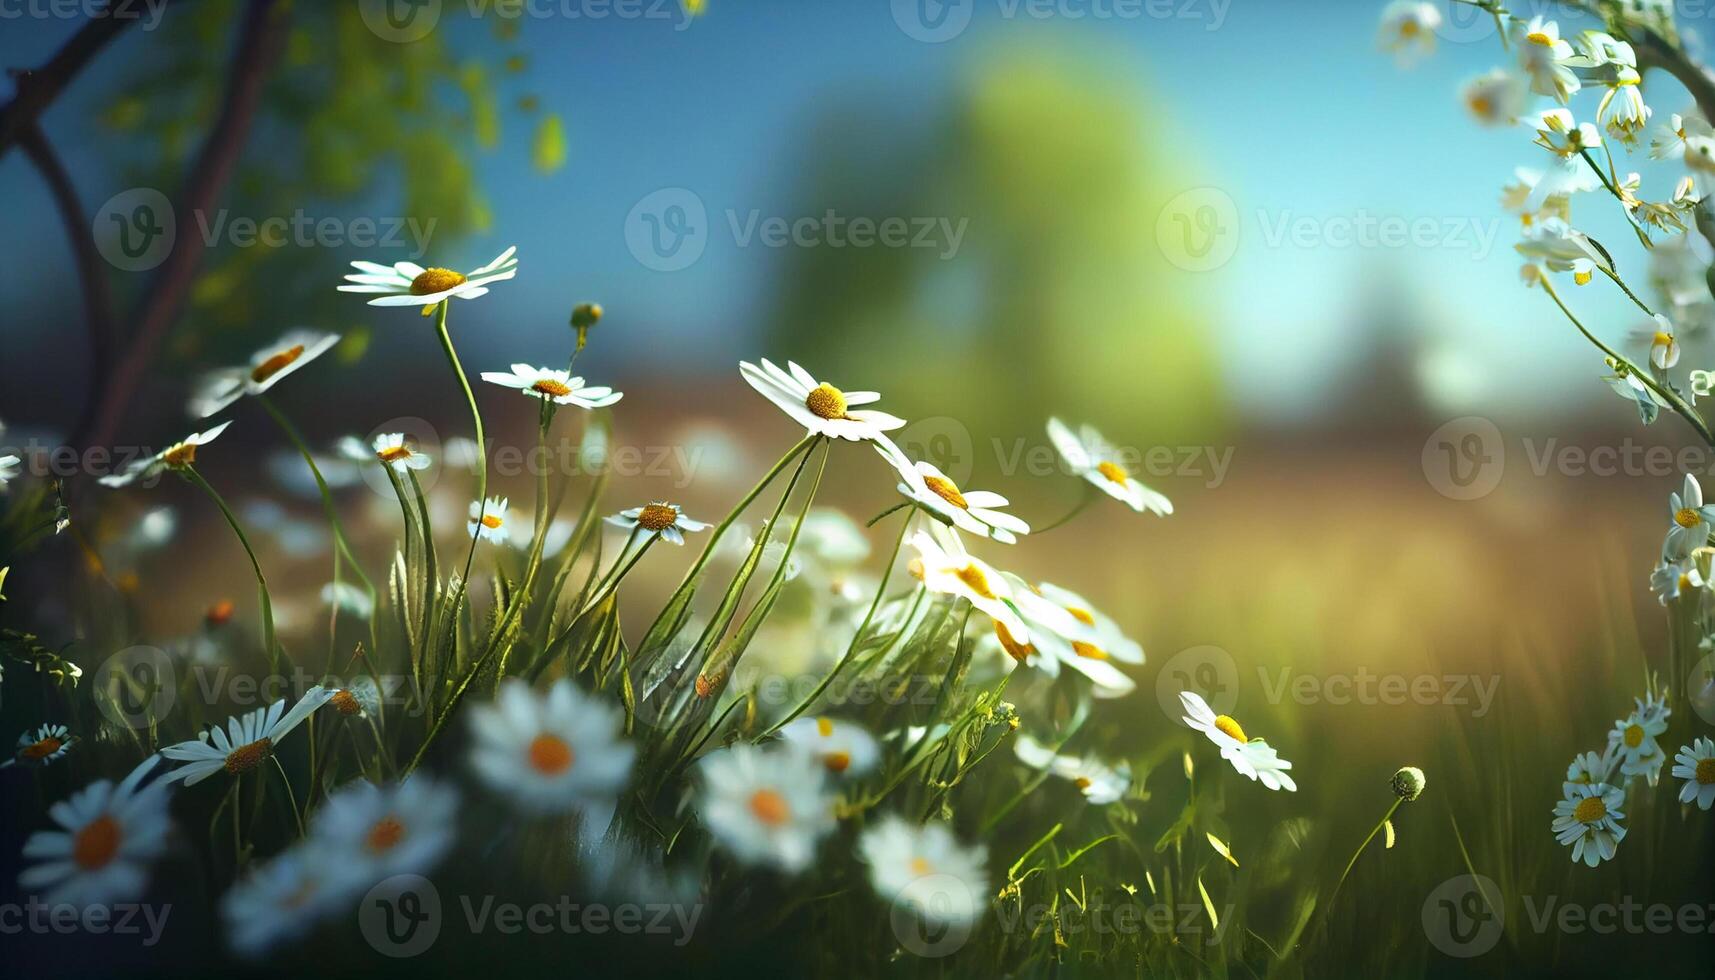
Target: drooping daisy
(1099,783)
(1543,55)
(287,897)
(1408,29)
(41,747)
(1692,520)
(10,467)
(108,838)
(1622,110)
(1495,99)
(1669,141)
(927,870)
(1254,758)
(246,742)
(361,697)
(551,753)
(817,405)
(943,565)
(768,806)
(178,456)
(1695,763)
(489,519)
(844,747)
(403,828)
(660,517)
(268,367)
(558,387)
(392,449)
(1588,819)
(409,284)
(1098,461)
(1662,341)
(974,511)
(1560,248)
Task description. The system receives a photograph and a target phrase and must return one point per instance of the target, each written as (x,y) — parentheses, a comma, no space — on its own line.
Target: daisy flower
(1567,171)
(488,519)
(842,747)
(551,753)
(10,467)
(1099,783)
(1495,99)
(1096,460)
(1544,56)
(178,456)
(409,284)
(1663,344)
(1695,763)
(1622,110)
(285,898)
(558,387)
(975,511)
(391,448)
(42,746)
(927,870)
(1408,29)
(362,697)
(1590,768)
(1670,139)
(268,367)
(1633,739)
(1252,757)
(1560,248)
(943,566)
(108,837)
(767,806)
(660,517)
(404,828)
(1692,520)
(246,743)
(817,405)
(1588,820)
(1063,628)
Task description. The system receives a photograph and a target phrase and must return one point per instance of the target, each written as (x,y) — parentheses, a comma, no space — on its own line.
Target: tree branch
(39,88)
(1654,51)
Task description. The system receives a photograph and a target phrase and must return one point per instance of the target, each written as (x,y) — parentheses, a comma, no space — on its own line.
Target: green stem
(1084,501)
(476,422)
(269,641)
(1359,852)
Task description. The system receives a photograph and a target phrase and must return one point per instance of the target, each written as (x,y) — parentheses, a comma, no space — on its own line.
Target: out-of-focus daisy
(349,598)
(975,511)
(41,747)
(1099,783)
(1517,196)
(1254,758)
(833,538)
(392,449)
(767,806)
(1622,110)
(245,743)
(558,387)
(660,517)
(1695,763)
(489,519)
(927,870)
(817,405)
(1543,55)
(1408,29)
(404,828)
(1566,171)
(551,753)
(1560,248)
(361,697)
(1692,519)
(1669,139)
(287,897)
(944,566)
(1098,461)
(108,837)
(1634,739)
(268,367)
(10,467)
(1588,820)
(1672,579)
(178,456)
(1495,99)
(409,284)
(844,747)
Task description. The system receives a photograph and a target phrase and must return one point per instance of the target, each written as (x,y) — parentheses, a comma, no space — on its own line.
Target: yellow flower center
(1082,782)
(1113,471)
(1409,28)
(837,761)
(975,580)
(274,365)
(386,833)
(550,755)
(826,402)
(1228,725)
(41,749)
(1634,736)
(770,807)
(551,388)
(181,455)
(492,521)
(1089,650)
(1481,105)
(1539,37)
(394,454)
(345,703)
(247,757)
(96,844)
(657,517)
(946,490)
(1662,339)
(921,866)
(1705,771)
(1590,809)
(1018,651)
(825,726)
(435,281)
(1686,517)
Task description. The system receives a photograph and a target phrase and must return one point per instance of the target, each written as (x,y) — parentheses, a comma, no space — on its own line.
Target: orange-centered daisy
(433,281)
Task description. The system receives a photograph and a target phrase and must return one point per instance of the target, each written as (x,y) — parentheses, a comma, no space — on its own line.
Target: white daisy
(1622,110)
(1670,139)
(1098,461)
(268,367)
(1633,739)
(817,405)
(975,511)
(558,387)
(392,449)
(1252,757)
(1567,171)
(1064,628)
(660,517)
(1560,248)
(1543,55)
(10,467)
(403,828)
(1099,783)
(551,753)
(844,747)
(42,746)
(178,456)
(287,897)
(1695,763)
(943,566)
(108,838)
(246,742)
(832,538)
(927,870)
(1589,768)
(490,519)
(1408,29)
(1692,520)
(768,806)
(1588,819)
(409,284)
(1495,99)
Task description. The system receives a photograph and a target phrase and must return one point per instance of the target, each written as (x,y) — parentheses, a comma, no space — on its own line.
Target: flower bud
(1408,783)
